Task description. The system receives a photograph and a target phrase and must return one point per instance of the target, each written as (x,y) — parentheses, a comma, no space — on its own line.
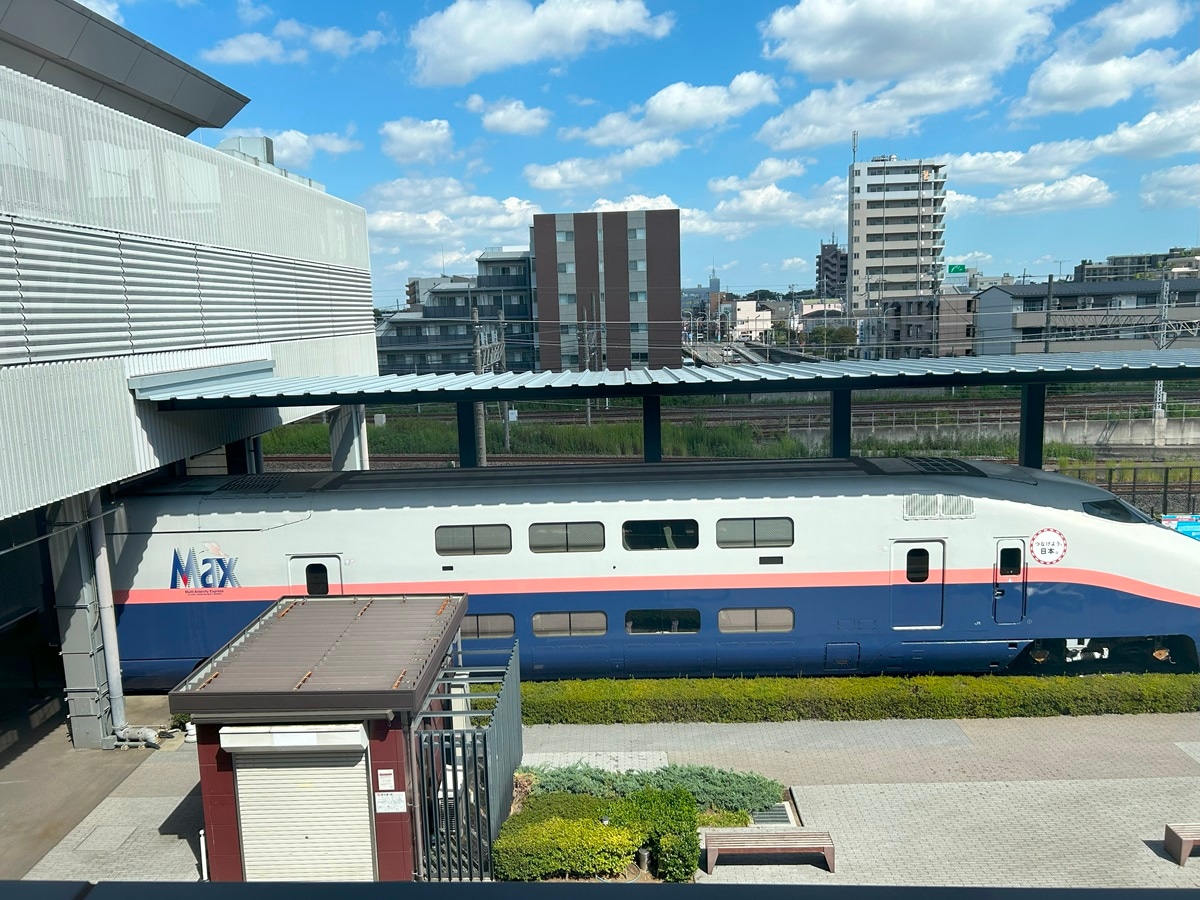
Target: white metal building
(128,251)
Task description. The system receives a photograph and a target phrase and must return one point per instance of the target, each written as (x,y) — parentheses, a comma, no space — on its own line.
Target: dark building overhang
(65,44)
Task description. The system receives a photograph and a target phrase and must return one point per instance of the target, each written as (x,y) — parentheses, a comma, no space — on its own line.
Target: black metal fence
(465,771)
(1154,488)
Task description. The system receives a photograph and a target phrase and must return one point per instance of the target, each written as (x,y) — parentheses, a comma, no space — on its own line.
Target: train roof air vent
(938,506)
(254,484)
(941,465)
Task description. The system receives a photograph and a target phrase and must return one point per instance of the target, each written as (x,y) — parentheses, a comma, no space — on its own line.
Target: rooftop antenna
(443,260)
(854,148)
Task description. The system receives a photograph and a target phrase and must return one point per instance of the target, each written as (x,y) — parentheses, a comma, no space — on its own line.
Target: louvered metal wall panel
(72,290)
(12,318)
(305,816)
(226,295)
(162,294)
(66,159)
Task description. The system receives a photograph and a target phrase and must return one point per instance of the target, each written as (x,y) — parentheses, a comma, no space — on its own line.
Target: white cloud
(794,264)
(334,40)
(295,150)
(1156,134)
(472,37)
(250,12)
(1054,161)
(577,172)
(831,40)
(252,47)
(509,116)
(974,258)
(691,221)
(110,9)
(1076,192)
(770,204)
(679,107)
(409,140)
(766,172)
(1173,188)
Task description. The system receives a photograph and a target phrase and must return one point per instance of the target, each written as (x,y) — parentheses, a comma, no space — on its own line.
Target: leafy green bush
(605,702)
(708,787)
(555,847)
(668,821)
(559,805)
(723,818)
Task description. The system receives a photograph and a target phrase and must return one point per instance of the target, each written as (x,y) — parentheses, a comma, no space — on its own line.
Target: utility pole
(480,429)
(1049,303)
(504,367)
(1160,343)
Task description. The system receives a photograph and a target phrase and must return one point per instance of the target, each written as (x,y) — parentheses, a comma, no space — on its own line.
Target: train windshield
(1116,510)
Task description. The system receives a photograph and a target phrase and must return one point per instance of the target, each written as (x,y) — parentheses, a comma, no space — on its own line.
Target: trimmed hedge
(607,702)
(555,848)
(709,788)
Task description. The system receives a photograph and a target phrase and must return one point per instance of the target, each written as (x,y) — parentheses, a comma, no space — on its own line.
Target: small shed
(314,725)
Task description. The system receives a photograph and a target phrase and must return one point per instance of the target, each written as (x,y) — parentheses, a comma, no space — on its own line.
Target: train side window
(661,534)
(316,579)
(1115,510)
(566,537)
(1010,561)
(662,621)
(766,619)
(570,624)
(918,565)
(500,625)
(774,532)
(472,540)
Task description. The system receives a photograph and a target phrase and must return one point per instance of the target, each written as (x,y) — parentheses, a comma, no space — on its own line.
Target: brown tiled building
(607,289)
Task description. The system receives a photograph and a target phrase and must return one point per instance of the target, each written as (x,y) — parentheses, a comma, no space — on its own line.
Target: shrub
(668,820)
(708,787)
(561,847)
(723,818)
(540,807)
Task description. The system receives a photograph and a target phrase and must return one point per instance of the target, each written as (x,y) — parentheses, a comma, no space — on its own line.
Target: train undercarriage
(1161,653)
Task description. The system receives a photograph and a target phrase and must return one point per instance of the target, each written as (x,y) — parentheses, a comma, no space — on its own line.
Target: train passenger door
(918,576)
(1008,582)
(315,576)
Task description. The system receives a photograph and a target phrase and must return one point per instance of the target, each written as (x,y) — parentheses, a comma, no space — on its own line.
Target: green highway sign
(956,270)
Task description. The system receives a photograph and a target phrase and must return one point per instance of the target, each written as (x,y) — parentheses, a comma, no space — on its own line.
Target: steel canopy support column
(348,439)
(652,428)
(468,458)
(1033,425)
(839,423)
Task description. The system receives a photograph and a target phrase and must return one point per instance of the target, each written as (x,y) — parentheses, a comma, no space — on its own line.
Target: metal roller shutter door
(305,816)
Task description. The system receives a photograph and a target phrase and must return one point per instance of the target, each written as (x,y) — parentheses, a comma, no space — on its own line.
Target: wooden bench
(1179,840)
(719,841)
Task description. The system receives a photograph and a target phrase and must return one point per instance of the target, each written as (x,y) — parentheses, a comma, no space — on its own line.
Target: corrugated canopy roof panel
(193,390)
(353,655)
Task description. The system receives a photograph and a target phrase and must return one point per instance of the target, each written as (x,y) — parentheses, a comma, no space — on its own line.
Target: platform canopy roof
(256,385)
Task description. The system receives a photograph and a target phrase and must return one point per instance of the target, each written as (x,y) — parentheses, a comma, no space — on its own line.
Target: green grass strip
(608,702)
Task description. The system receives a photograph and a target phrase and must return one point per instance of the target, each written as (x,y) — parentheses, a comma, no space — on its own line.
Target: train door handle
(998,593)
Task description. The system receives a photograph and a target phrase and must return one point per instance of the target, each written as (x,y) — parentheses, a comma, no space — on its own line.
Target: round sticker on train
(1048,546)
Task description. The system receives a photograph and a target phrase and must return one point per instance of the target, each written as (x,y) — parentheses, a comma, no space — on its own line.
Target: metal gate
(464,773)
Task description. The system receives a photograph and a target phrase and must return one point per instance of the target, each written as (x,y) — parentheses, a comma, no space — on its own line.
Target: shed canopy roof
(254,385)
(360,656)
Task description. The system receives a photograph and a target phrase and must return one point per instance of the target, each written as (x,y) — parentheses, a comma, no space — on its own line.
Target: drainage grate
(776,815)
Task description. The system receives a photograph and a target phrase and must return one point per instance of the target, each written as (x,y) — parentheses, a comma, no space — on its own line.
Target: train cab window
(661,534)
(472,540)
(741,621)
(662,621)
(316,579)
(1115,510)
(917,565)
(566,537)
(500,625)
(1010,561)
(570,624)
(775,532)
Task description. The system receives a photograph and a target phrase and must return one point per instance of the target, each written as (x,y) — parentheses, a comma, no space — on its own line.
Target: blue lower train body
(837,630)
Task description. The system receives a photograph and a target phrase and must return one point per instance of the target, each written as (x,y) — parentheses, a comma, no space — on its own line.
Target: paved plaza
(1015,802)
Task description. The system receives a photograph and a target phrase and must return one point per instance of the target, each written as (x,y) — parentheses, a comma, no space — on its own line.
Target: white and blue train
(741,568)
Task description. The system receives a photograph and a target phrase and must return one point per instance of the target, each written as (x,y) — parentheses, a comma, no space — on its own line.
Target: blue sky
(1071,129)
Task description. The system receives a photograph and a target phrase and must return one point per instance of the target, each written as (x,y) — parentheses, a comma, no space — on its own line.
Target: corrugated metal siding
(66,159)
(68,292)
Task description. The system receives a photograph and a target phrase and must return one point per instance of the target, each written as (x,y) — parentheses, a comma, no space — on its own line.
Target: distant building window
(562,236)
(495,626)
(570,624)
(566,268)
(472,540)
(660,534)
(637,265)
(637,327)
(566,329)
(742,621)
(637,234)
(642,358)
(566,299)
(773,532)
(637,296)
(566,537)
(662,621)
